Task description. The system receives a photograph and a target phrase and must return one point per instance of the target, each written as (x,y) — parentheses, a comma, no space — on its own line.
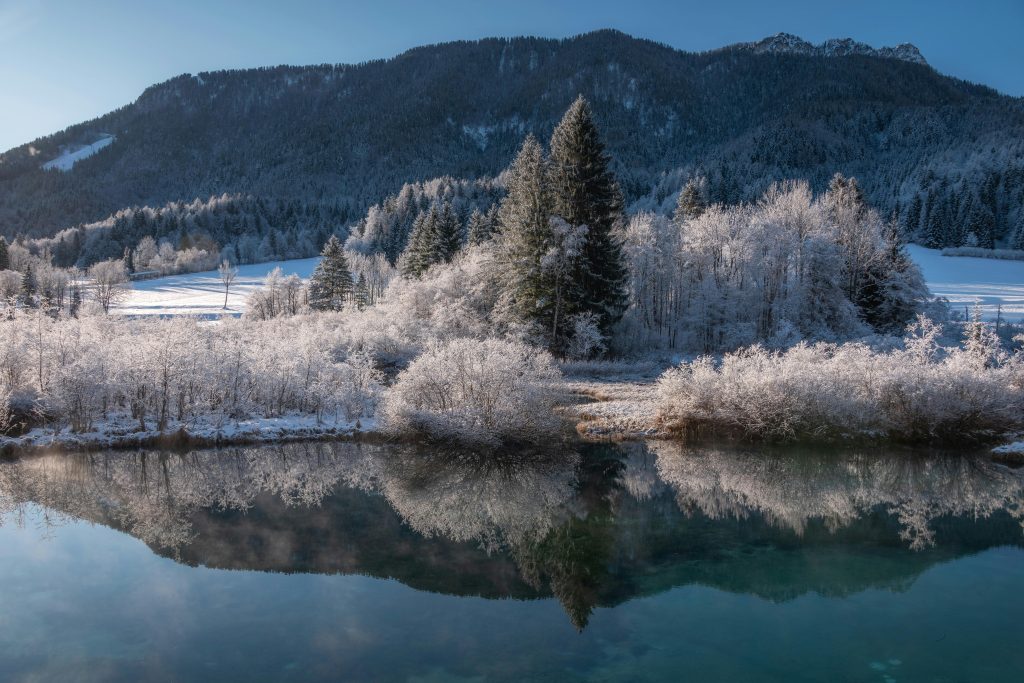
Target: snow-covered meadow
(961,280)
(964,280)
(202,294)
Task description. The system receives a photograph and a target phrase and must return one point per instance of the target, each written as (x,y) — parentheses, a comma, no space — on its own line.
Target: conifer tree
(447,235)
(1018,236)
(936,229)
(5,258)
(524,238)
(28,286)
(416,258)
(691,203)
(913,219)
(480,227)
(331,282)
(361,294)
(584,192)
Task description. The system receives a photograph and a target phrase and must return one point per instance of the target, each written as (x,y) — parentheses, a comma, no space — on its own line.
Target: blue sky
(64,61)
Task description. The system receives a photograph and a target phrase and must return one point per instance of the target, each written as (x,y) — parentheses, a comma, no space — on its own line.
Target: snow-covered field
(202,294)
(964,280)
(65,161)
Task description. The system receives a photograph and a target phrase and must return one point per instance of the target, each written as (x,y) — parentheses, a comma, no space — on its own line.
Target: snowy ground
(65,161)
(202,294)
(121,431)
(964,280)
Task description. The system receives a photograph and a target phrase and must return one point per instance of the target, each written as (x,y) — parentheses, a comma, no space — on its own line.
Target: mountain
(308,149)
(787,43)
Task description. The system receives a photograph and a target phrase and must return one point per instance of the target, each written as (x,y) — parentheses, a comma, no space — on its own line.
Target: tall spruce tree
(361,293)
(584,192)
(416,258)
(5,257)
(524,238)
(331,282)
(28,287)
(447,235)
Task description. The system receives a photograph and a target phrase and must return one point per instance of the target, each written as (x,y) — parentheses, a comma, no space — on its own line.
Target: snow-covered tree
(331,282)
(584,192)
(109,282)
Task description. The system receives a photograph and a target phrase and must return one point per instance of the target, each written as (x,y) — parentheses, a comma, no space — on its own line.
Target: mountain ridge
(340,138)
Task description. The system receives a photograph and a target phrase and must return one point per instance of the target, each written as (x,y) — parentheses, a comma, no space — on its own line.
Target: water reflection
(591,528)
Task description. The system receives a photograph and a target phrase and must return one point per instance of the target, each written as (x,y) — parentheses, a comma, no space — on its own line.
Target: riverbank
(124,432)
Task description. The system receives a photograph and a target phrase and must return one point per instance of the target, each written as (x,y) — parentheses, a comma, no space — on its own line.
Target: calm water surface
(343,562)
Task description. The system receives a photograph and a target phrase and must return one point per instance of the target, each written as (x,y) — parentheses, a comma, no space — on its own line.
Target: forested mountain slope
(312,147)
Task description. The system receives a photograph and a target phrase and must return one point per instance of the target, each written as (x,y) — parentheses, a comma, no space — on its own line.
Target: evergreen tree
(913,219)
(691,203)
(893,289)
(1017,238)
(936,235)
(416,258)
(524,238)
(331,282)
(5,257)
(361,294)
(480,227)
(28,286)
(584,192)
(447,236)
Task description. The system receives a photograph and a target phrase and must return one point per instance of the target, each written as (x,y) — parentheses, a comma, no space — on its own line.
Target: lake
(656,562)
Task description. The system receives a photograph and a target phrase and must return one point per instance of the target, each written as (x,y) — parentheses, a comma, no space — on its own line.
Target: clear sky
(65,61)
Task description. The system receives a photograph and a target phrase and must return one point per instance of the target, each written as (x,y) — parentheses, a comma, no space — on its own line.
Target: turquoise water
(341,562)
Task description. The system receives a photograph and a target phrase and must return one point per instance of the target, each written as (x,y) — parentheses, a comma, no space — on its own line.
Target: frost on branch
(850,390)
(477,392)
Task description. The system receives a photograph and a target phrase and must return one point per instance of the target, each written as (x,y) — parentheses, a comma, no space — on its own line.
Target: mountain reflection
(591,528)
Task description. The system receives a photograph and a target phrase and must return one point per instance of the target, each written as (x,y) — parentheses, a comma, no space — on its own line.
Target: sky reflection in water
(633,562)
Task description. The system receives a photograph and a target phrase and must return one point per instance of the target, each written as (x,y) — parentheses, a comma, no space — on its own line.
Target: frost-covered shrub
(166,373)
(450,301)
(921,393)
(479,392)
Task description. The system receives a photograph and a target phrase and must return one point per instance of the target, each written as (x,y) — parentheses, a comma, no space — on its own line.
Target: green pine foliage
(435,238)
(331,282)
(524,239)
(584,192)
(5,257)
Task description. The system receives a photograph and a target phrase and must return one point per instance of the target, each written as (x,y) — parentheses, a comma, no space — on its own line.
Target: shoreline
(599,410)
(123,434)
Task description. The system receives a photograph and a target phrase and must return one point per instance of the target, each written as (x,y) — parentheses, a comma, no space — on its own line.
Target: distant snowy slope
(65,161)
(964,280)
(202,294)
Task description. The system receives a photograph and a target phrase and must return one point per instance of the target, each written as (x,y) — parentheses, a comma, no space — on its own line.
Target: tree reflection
(590,528)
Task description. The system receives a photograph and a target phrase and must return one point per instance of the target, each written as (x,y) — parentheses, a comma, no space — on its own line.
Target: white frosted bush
(478,392)
(164,374)
(828,390)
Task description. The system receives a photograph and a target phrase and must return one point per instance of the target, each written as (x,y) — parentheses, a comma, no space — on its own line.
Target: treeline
(242,229)
(556,263)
